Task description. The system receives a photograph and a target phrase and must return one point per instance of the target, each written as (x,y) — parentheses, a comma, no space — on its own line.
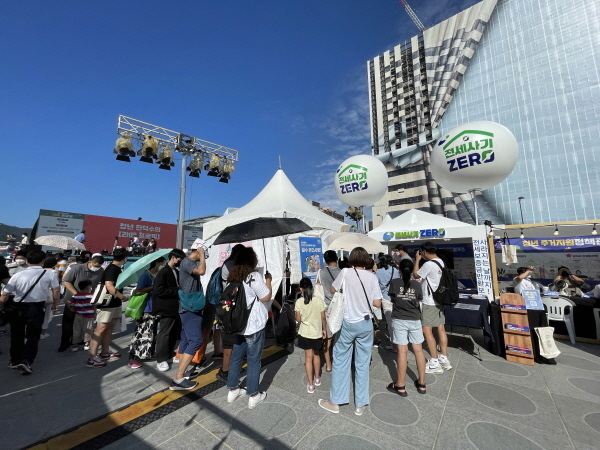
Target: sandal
(421,388)
(396,389)
(310,388)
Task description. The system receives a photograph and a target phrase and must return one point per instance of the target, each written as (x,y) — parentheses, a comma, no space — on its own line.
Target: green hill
(9,229)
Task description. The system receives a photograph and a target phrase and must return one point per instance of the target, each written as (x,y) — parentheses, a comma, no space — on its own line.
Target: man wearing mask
(107,316)
(523,279)
(165,304)
(19,264)
(91,270)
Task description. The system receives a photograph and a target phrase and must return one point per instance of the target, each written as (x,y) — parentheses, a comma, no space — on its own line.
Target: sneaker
(112,356)
(430,368)
(162,366)
(175,360)
(44,336)
(310,388)
(446,364)
(317,382)
(325,404)
(95,362)
(183,385)
(376,343)
(217,356)
(12,365)
(133,364)
(86,346)
(359,410)
(391,348)
(232,395)
(74,348)
(258,398)
(25,368)
(222,376)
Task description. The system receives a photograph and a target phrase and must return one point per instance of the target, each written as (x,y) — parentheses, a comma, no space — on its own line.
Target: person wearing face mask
(143,339)
(91,270)
(165,305)
(19,264)
(107,316)
(523,279)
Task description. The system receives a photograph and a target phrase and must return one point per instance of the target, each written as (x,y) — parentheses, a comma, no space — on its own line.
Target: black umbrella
(261,228)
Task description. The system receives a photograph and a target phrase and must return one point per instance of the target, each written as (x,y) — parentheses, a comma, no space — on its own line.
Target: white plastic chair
(556,308)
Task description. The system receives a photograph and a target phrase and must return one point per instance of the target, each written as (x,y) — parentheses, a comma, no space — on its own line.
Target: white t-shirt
(255,290)
(430,272)
(356,307)
(520,285)
(20,283)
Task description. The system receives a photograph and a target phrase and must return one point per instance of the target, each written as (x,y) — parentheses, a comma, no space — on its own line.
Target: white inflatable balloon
(474,156)
(361,180)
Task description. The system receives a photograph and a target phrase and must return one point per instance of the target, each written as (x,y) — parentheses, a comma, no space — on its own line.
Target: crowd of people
(395,288)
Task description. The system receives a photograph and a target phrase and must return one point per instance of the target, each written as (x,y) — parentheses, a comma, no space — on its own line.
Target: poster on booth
(225,250)
(483,270)
(533,300)
(311,257)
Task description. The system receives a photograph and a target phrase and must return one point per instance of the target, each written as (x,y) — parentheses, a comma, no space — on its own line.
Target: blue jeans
(357,336)
(250,346)
(191,333)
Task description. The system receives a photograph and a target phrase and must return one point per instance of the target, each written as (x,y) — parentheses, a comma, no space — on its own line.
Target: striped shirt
(82,303)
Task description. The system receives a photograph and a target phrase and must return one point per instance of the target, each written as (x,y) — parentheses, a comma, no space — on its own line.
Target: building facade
(530,65)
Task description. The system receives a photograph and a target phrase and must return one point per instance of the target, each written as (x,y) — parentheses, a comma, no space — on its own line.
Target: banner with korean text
(311,256)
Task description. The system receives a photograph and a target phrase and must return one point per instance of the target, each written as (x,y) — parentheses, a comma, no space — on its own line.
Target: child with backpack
(310,312)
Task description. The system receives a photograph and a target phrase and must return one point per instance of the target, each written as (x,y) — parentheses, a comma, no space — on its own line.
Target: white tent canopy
(279,198)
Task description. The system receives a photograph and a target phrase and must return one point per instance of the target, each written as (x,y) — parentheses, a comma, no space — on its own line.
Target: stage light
(195,165)
(124,148)
(165,158)
(214,166)
(594,230)
(522,235)
(149,149)
(555,230)
(227,170)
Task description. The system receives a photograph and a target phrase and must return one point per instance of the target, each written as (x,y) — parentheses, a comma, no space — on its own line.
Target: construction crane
(412,15)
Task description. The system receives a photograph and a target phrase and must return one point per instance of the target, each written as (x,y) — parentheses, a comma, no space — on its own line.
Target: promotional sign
(59,223)
(361,180)
(565,243)
(311,257)
(483,271)
(474,156)
(225,250)
(533,300)
(415,234)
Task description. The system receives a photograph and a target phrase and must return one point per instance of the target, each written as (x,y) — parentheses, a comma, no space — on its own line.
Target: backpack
(286,325)
(232,311)
(215,288)
(447,291)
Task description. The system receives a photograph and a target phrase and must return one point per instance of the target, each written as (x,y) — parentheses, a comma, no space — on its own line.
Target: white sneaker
(162,366)
(74,348)
(259,398)
(359,410)
(446,364)
(431,368)
(232,395)
(44,336)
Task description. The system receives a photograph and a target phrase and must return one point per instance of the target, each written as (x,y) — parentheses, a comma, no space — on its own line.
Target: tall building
(532,66)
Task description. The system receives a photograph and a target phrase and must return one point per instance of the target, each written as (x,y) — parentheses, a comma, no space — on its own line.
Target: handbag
(335,311)
(548,347)
(135,306)
(373,317)
(101,297)
(318,290)
(192,302)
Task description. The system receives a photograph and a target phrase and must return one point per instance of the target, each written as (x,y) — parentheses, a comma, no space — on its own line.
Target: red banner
(101,232)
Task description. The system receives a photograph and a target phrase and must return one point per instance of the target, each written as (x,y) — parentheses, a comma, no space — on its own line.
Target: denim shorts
(406,331)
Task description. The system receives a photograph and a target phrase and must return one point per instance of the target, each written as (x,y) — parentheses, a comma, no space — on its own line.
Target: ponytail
(307,288)
(406,269)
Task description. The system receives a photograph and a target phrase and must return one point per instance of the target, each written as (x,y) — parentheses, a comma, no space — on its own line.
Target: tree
(355,213)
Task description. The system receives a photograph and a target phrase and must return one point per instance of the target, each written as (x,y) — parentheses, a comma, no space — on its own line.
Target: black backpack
(447,291)
(286,325)
(232,311)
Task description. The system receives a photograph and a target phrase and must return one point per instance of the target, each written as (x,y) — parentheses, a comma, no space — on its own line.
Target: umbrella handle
(265,252)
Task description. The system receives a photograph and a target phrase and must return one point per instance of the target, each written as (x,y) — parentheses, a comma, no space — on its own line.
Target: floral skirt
(143,338)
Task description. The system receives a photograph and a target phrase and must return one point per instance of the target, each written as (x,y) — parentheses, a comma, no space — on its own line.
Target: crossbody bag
(373,318)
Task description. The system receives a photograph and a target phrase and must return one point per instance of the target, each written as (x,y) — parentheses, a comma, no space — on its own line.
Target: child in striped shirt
(83,325)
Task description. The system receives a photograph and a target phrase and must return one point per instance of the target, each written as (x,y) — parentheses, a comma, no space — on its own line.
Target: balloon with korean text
(361,180)
(474,156)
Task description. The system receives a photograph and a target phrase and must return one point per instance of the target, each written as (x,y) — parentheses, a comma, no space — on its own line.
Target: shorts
(227,339)
(432,316)
(406,331)
(105,315)
(310,344)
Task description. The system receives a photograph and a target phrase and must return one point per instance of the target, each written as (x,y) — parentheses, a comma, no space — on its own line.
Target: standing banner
(533,300)
(311,257)
(483,270)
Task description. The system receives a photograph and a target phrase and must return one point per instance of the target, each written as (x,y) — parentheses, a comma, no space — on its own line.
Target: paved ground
(488,404)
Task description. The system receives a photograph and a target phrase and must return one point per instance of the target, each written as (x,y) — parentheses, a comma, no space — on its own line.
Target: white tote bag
(548,347)
(335,312)
(318,290)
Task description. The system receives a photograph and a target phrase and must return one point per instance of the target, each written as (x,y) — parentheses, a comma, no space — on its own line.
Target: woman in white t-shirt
(250,342)
(362,294)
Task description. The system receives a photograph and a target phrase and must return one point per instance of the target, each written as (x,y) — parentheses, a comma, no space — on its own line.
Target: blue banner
(533,300)
(311,256)
(575,243)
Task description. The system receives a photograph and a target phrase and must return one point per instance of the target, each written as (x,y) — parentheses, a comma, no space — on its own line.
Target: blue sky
(267,78)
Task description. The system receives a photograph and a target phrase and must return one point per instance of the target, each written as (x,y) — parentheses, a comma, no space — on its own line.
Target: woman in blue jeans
(362,294)
(250,342)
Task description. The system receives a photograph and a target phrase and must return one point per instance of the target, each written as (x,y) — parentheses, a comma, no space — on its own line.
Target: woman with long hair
(249,343)
(406,294)
(310,312)
(361,295)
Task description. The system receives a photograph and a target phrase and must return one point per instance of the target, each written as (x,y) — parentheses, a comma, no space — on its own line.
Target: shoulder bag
(101,297)
(194,301)
(319,291)
(373,318)
(335,311)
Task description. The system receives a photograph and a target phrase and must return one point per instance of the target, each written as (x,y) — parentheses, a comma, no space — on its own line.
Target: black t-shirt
(111,273)
(406,304)
(4,273)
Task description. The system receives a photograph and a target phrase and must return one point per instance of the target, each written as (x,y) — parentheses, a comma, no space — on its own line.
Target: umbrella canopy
(133,273)
(62,242)
(349,241)
(261,228)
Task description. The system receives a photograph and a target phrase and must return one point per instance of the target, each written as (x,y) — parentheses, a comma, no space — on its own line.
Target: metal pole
(521,209)
(472,192)
(179,242)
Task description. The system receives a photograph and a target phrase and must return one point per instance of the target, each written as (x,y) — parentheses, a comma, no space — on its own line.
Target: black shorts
(227,339)
(310,344)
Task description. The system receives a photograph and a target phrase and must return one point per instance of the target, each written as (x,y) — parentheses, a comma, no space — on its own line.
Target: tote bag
(548,347)
(318,290)
(335,311)
(101,297)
